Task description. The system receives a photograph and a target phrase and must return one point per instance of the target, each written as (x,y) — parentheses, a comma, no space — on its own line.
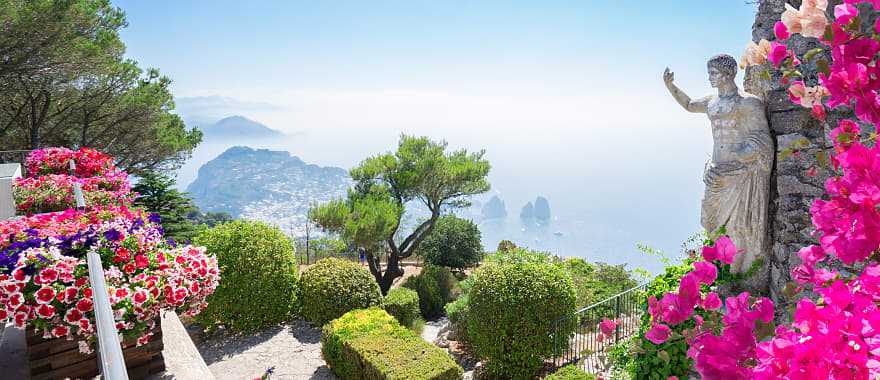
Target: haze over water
(565,97)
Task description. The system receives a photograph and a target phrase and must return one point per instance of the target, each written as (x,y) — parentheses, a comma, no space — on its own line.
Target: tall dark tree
(421,170)
(156,193)
(66,83)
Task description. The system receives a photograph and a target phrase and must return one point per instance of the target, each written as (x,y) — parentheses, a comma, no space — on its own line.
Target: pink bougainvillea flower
(607,326)
(781,31)
(712,301)
(818,112)
(843,13)
(777,53)
(705,272)
(723,250)
(658,333)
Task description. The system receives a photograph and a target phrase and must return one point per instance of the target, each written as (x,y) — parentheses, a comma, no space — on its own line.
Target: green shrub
(570,372)
(595,282)
(403,304)
(517,304)
(453,243)
(258,285)
(458,310)
(436,287)
(332,287)
(370,344)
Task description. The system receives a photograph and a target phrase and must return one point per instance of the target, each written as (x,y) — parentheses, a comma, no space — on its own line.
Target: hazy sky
(565,96)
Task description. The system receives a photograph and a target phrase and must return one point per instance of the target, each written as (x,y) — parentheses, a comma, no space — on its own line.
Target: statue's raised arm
(695,106)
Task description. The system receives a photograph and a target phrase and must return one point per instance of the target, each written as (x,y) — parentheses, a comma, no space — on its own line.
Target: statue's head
(722,68)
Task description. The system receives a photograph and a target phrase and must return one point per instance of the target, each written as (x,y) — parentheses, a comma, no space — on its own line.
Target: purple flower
(112,235)
(154,218)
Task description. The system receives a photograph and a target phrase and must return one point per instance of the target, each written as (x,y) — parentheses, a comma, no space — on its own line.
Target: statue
(737,177)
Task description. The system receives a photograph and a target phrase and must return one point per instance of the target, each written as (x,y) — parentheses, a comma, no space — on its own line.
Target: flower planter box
(59,358)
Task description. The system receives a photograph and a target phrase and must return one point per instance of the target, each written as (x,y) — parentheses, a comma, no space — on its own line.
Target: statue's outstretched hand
(668,76)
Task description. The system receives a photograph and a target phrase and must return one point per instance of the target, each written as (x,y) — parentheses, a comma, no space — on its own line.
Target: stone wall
(793,190)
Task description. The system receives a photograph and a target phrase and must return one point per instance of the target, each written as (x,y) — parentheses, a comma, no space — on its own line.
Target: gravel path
(294,349)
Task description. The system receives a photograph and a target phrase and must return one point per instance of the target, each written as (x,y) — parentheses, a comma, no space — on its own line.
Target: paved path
(294,349)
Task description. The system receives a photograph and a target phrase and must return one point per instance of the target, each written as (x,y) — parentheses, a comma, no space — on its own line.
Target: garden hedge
(436,286)
(517,304)
(371,344)
(258,285)
(570,372)
(403,304)
(332,287)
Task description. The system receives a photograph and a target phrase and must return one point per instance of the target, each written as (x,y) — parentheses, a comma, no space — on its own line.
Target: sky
(565,96)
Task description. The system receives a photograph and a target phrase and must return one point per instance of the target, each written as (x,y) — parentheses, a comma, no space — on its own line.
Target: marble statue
(737,177)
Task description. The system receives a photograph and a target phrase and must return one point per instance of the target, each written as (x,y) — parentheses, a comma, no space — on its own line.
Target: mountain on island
(266,185)
(239,127)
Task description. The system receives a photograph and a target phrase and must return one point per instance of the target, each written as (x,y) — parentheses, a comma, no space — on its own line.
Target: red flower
(45,295)
(84,305)
(60,331)
(84,324)
(140,296)
(72,316)
(122,255)
(15,300)
(128,268)
(141,261)
(87,292)
(48,275)
(20,320)
(121,293)
(81,281)
(46,311)
(3,314)
(19,275)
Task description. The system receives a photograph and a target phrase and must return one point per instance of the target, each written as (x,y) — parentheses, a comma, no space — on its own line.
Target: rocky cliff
(271,186)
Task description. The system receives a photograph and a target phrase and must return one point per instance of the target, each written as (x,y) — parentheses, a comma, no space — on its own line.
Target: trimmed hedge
(517,304)
(435,286)
(403,304)
(258,285)
(570,372)
(332,287)
(370,344)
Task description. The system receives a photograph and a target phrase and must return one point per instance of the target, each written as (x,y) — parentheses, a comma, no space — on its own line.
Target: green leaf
(822,66)
(822,158)
(812,53)
(829,33)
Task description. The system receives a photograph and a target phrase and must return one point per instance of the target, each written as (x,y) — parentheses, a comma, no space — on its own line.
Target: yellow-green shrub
(570,372)
(371,344)
(403,304)
(258,286)
(332,287)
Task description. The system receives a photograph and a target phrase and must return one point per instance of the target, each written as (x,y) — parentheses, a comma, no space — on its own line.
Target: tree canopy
(66,83)
(421,172)
(453,243)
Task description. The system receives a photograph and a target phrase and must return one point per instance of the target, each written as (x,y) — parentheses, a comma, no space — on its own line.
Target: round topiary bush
(570,372)
(258,286)
(453,243)
(435,286)
(332,287)
(517,304)
(403,304)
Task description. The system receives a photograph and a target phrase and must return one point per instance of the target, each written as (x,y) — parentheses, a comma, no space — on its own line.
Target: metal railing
(109,348)
(578,339)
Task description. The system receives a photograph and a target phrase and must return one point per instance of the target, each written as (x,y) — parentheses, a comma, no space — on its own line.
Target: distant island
(266,185)
(238,127)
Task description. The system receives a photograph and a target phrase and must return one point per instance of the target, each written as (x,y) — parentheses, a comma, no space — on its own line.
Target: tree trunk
(392,272)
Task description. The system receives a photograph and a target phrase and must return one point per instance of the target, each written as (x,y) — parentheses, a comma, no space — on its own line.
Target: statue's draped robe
(738,199)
